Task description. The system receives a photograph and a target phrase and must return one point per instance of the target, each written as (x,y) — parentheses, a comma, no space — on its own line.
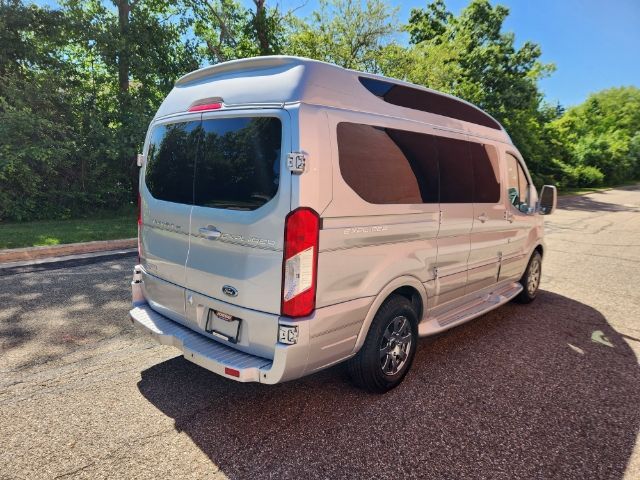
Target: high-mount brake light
(206,106)
(300,262)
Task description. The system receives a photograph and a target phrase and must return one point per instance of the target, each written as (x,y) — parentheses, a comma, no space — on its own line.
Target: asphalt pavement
(548,390)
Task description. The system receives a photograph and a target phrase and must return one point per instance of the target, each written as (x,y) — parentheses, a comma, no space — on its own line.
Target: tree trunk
(123,49)
(128,160)
(260,23)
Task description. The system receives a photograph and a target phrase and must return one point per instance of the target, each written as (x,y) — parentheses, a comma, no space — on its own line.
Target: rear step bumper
(288,363)
(326,337)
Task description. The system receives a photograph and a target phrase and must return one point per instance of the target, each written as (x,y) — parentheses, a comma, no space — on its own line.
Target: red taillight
(206,106)
(231,371)
(300,264)
(139,227)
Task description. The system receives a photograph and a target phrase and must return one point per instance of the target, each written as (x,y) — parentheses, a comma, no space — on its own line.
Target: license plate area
(223,325)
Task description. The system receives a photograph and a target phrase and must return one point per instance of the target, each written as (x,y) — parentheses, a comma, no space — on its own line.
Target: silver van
(295,214)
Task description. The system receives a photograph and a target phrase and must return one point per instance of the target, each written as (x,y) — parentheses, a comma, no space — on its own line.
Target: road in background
(547,390)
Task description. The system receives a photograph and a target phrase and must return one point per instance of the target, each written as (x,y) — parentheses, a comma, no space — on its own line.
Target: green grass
(112,226)
(102,226)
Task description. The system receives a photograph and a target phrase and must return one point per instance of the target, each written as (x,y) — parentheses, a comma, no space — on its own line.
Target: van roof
(281,80)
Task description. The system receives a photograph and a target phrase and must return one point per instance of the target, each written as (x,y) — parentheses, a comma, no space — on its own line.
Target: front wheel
(530,280)
(388,351)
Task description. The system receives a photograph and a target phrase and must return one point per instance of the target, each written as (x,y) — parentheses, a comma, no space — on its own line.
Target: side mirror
(548,200)
(140,159)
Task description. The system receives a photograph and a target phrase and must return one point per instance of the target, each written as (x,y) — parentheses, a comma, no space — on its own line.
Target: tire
(394,334)
(530,280)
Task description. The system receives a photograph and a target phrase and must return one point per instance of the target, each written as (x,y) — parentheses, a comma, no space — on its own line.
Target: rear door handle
(210,232)
(483,217)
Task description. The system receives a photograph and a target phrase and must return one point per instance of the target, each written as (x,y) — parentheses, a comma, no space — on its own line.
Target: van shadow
(522,392)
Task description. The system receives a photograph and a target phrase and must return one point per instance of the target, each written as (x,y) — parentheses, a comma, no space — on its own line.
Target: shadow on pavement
(47,315)
(589,204)
(522,392)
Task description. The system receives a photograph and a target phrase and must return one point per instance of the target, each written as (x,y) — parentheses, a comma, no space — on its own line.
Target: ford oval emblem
(230,291)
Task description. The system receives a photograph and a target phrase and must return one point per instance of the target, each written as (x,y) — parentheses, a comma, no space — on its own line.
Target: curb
(36,253)
(52,263)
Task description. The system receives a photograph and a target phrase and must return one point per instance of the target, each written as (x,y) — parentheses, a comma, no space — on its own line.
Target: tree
(80,82)
(140,51)
(229,30)
(602,135)
(345,33)
(90,78)
(469,56)
(36,121)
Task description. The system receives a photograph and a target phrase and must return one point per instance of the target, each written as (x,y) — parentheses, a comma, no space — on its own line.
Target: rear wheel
(530,280)
(388,351)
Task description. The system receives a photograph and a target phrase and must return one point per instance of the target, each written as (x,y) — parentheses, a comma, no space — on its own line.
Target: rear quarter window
(389,166)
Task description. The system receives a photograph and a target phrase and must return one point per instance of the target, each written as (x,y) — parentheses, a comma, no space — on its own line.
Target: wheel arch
(540,248)
(407,286)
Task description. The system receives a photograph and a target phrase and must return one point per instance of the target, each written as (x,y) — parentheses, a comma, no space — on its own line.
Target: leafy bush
(582,176)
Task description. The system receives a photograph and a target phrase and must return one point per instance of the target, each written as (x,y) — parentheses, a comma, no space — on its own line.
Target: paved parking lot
(548,390)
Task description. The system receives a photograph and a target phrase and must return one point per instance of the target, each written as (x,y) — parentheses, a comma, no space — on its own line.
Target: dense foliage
(79,84)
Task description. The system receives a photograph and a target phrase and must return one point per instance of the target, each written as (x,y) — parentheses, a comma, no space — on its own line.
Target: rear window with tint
(239,162)
(231,163)
(171,160)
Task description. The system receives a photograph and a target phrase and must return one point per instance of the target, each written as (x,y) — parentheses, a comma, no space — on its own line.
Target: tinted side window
(456,170)
(486,188)
(373,165)
(420,151)
(239,162)
(408,97)
(170,161)
(517,185)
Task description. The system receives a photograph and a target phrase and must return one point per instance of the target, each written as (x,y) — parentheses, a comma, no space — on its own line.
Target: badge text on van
(372,229)
(252,241)
(166,225)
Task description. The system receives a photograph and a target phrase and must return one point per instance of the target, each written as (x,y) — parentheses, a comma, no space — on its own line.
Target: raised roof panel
(276,81)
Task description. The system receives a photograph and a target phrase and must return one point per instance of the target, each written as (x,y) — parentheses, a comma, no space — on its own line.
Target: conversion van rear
(294,214)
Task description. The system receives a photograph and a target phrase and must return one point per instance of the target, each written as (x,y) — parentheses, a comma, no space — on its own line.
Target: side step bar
(469,311)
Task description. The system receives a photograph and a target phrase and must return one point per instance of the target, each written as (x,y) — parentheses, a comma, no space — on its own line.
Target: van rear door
(241,198)
(166,195)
